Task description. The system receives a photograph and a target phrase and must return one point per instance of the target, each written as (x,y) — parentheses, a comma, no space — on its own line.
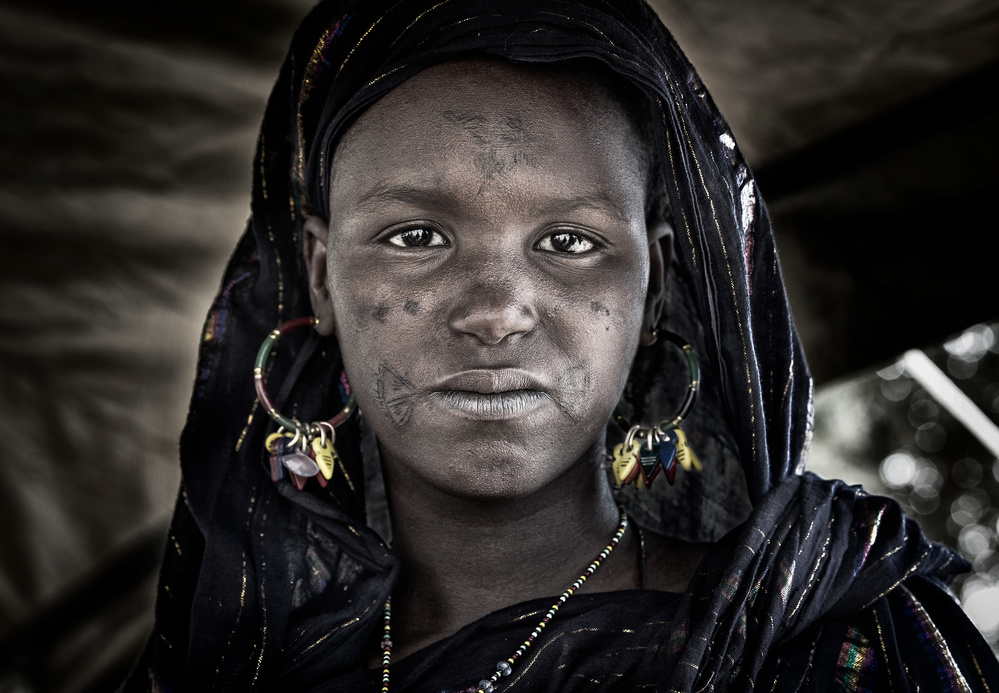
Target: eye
(565,242)
(418,237)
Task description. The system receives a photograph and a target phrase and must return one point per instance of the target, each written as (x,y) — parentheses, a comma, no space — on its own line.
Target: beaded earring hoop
(303,449)
(646,452)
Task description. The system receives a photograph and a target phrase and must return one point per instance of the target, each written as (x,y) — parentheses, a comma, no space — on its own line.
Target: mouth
(491,394)
(489,381)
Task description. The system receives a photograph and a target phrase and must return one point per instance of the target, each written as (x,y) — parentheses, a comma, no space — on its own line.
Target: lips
(491,394)
(489,381)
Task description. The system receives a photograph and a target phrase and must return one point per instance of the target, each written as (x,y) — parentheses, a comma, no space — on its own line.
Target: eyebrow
(598,202)
(434,197)
(406,194)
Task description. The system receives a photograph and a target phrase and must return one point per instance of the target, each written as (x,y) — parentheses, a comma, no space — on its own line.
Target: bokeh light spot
(981,601)
(923,410)
(971,344)
(967,473)
(898,389)
(928,480)
(975,540)
(969,507)
(898,469)
(931,437)
(924,504)
(961,368)
(891,372)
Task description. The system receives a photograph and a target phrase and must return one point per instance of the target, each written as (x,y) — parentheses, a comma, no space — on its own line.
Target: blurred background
(126,138)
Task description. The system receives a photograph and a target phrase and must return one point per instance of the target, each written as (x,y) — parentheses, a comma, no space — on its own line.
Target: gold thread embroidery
(941,643)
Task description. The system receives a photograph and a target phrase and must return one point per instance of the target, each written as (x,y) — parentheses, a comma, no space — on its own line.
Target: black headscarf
(263,586)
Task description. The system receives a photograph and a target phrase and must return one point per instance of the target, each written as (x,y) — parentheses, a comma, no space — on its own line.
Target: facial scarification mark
(412,307)
(502,143)
(575,388)
(598,307)
(394,394)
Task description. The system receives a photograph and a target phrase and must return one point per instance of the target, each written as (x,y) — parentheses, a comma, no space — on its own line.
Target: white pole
(920,368)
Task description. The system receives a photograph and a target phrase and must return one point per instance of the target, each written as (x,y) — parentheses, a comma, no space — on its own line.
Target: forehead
(494,117)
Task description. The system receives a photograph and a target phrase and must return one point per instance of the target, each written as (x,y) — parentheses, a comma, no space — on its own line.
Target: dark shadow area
(87,639)
(885,228)
(253,31)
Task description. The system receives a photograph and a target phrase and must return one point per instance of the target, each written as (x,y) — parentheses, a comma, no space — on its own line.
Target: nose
(494,309)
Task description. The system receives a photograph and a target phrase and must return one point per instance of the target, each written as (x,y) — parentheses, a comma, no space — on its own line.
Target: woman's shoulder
(916,637)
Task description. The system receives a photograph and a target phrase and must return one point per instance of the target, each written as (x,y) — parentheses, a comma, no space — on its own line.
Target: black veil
(263,586)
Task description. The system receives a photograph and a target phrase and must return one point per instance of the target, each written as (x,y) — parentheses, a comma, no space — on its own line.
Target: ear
(660,256)
(316,234)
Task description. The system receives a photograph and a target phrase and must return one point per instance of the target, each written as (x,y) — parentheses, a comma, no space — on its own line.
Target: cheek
(607,307)
(599,324)
(362,311)
(361,302)
(612,333)
(378,322)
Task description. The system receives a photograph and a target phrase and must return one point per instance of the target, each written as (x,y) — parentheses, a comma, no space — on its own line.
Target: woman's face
(486,274)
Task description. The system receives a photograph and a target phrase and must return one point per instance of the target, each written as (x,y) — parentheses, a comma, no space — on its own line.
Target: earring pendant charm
(325,455)
(648,462)
(304,449)
(685,454)
(625,464)
(646,452)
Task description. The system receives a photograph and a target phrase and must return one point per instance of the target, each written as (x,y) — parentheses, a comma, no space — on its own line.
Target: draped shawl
(265,587)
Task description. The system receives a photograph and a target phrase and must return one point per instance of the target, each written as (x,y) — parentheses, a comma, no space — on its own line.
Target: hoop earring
(304,449)
(646,452)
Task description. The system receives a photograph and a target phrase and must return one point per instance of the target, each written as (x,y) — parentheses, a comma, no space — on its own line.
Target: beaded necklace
(505,667)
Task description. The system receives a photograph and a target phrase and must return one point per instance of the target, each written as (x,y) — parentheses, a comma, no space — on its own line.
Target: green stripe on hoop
(692,364)
(265,350)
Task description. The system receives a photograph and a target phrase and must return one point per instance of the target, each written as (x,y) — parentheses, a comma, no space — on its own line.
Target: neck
(465,558)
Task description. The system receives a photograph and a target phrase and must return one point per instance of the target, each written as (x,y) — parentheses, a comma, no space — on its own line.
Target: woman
(480,208)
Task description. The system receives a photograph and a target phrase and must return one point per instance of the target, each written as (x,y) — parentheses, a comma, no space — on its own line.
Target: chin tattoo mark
(394,395)
(503,142)
(575,387)
(381,312)
(412,307)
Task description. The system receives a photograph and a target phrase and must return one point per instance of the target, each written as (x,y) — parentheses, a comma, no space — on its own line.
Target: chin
(507,475)
(492,462)
(496,480)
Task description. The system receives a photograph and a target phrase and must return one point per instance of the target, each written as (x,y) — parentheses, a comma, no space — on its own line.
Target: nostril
(491,324)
